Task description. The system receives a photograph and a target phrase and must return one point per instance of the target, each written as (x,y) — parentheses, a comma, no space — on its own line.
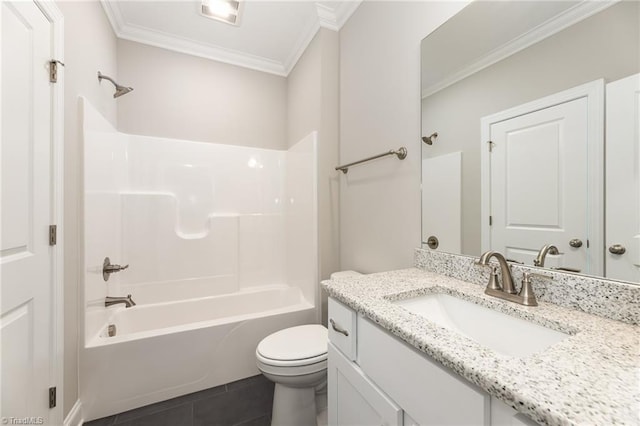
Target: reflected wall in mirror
(520,95)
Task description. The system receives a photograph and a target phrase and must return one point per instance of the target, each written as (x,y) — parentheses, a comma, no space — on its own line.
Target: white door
(539,187)
(442,201)
(623,179)
(25,256)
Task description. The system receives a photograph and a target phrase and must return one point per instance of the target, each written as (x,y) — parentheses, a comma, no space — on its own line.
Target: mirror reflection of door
(623,179)
(538,190)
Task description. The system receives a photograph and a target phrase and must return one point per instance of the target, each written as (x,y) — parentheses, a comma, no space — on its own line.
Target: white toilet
(295,359)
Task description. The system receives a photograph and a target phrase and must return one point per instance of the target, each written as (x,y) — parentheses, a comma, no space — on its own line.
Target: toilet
(295,359)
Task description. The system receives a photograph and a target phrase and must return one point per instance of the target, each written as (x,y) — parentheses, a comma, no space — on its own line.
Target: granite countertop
(590,378)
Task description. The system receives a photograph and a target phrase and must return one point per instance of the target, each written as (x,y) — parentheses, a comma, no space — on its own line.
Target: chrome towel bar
(400,152)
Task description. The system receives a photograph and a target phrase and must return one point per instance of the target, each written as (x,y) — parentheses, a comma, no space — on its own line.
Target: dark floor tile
(249,381)
(105,421)
(235,406)
(207,393)
(164,405)
(181,415)
(260,421)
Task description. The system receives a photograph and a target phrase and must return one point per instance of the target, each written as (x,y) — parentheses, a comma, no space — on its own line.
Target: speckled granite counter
(591,378)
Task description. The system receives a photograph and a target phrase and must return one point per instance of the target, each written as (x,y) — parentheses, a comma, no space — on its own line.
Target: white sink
(502,333)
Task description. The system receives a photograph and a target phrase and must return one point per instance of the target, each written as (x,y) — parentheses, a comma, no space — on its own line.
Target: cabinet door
(429,392)
(353,399)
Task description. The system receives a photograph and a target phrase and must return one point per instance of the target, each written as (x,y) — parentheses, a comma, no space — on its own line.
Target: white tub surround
(590,377)
(221,243)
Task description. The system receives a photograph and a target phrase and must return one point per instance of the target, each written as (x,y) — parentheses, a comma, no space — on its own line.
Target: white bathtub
(164,350)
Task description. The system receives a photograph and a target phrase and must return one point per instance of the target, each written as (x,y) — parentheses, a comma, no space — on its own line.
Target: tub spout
(128,301)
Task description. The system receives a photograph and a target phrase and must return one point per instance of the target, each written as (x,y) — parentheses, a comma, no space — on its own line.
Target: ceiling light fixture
(222,10)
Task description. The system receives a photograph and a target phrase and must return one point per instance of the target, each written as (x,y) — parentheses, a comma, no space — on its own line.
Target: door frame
(594,93)
(54,15)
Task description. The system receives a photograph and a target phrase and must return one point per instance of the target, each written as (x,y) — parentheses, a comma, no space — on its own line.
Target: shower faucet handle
(108,268)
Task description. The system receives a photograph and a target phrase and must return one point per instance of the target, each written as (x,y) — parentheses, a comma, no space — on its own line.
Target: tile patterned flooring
(246,402)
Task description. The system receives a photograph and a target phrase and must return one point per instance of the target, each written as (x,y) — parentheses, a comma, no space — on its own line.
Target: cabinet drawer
(342,328)
(427,392)
(353,399)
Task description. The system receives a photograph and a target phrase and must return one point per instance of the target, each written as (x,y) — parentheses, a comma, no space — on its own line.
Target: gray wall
(312,104)
(379,111)
(186,97)
(602,46)
(89,47)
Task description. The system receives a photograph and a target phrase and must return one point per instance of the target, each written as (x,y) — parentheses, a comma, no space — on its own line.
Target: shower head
(120,90)
(429,139)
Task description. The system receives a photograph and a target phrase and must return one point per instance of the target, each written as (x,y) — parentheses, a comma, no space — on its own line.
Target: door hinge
(53,235)
(491,144)
(52,397)
(490,220)
(53,70)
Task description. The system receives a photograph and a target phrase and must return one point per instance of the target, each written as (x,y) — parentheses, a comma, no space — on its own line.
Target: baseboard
(74,418)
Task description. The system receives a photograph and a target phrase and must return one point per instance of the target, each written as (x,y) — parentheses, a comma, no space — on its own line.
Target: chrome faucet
(507,279)
(128,301)
(542,254)
(507,291)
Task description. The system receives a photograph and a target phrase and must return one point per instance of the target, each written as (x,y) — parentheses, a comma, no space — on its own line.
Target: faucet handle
(526,292)
(494,284)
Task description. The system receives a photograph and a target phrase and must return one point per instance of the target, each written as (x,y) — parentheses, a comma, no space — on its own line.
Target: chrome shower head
(429,139)
(120,90)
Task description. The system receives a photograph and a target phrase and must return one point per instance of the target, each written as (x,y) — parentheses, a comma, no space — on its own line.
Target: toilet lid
(295,343)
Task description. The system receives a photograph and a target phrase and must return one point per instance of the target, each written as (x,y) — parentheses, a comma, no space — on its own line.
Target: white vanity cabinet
(375,378)
(353,399)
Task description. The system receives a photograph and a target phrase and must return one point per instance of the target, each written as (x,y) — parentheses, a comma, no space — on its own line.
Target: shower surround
(221,243)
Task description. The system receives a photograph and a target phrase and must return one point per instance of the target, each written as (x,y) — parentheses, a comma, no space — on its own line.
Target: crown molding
(327,17)
(333,18)
(187,46)
(113,15)
(192,47)
(558,23)
(344,11)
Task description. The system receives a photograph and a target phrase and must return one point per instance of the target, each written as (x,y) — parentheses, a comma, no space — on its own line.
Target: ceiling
(271,37)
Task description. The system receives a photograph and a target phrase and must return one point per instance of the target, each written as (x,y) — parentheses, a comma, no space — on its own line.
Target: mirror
(515,102)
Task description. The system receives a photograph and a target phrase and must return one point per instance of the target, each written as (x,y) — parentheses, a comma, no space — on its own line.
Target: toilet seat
(294,351)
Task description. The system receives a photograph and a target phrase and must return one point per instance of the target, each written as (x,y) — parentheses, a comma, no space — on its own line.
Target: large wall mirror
(531,135)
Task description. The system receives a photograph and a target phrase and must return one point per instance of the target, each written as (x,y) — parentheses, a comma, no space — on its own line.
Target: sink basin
(503,333)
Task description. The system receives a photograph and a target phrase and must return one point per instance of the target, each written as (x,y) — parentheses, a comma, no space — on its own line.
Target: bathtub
(163,350)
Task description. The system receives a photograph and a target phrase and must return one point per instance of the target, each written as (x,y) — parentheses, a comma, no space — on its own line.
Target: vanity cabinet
(374,378)
(354,399)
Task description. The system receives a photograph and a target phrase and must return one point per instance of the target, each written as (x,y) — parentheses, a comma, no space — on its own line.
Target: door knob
(575,243)
(617,249)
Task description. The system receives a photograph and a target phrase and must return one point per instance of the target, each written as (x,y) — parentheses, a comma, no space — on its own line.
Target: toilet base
(293,406)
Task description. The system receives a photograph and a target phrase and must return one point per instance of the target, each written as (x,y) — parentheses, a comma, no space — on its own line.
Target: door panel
(25,256)
(623,178)
(539,184)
